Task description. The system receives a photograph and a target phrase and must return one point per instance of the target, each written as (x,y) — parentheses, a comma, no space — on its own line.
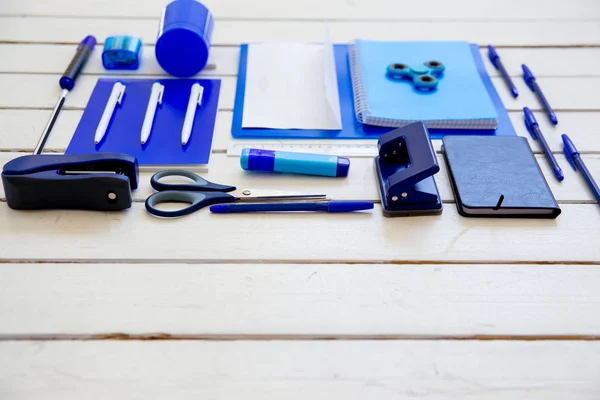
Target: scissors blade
(270,195)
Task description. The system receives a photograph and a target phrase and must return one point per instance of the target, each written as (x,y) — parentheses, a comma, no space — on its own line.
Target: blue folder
(164,145)
(351,128)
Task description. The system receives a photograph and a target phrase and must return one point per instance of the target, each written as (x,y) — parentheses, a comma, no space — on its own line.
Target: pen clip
(161,89)
(198,92)
(121,88)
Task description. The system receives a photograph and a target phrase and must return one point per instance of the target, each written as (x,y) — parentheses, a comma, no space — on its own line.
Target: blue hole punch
(405,168)
(423,77)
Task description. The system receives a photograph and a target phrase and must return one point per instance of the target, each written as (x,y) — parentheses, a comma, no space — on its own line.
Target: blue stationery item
(184,36)
(497,176)
(495,59)
(67,83)
(533,85)
(294,163)
(461,100)
(326,206)
(351,128)
(576,162)
(163,147)
(536,133)
(424,76)
(202,193)
(98,182)
(122,52)
(405,167)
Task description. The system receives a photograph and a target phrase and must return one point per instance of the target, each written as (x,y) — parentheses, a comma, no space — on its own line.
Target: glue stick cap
(184,36)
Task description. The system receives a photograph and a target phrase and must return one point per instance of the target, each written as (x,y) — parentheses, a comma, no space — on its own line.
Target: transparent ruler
(338,149)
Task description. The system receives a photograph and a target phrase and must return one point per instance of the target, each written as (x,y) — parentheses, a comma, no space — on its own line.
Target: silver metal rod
(53,117)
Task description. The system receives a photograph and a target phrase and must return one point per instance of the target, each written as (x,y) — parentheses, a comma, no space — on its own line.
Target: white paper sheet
(291,86)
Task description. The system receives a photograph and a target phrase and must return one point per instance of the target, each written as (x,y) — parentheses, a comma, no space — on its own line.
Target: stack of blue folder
(450,101)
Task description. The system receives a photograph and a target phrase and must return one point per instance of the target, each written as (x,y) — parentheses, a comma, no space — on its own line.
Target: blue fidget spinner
(424,77)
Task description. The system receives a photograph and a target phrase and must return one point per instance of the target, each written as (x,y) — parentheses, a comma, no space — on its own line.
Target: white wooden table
(124,306)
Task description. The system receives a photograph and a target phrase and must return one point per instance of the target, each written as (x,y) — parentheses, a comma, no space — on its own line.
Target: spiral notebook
(461,100)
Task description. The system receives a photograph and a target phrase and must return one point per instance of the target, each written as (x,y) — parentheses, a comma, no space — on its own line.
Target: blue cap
(493,56)
(570,150)
(258,160)
(184,38)
(527,76)
(343,165)
(89,41)
(530,121)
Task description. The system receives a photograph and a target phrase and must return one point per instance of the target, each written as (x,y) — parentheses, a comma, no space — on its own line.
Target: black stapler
(405,168)
(100,181)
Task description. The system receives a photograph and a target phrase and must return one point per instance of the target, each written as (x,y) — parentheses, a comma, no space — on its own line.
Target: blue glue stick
(294,163)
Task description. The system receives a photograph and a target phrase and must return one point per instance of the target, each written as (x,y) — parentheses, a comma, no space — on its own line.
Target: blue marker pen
(294,163)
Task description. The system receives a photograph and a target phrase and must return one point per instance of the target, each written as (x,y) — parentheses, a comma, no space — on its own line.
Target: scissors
(202,193)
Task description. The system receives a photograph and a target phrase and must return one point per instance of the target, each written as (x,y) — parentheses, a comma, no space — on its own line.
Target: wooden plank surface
(41,91)
(21,129)
(231,32)
(298,301)
(23,58)
(299,370)
(359,237)
(351,10)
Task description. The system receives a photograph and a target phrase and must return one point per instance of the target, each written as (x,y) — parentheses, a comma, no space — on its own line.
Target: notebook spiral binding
(358,85)
(361,104)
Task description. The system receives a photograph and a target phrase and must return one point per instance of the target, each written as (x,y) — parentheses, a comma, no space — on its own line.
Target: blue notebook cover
(351,128)
(164,145)
(460,101)
(491,183)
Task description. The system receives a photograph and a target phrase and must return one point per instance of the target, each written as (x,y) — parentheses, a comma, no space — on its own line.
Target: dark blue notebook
(495,176)
(163,148)
(351,128)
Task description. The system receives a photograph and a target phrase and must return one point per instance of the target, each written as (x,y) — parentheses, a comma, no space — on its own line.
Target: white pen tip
(96,141)
(183,143)
(143,142)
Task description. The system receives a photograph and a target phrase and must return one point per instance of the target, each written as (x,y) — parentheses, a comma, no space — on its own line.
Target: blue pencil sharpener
(122,52)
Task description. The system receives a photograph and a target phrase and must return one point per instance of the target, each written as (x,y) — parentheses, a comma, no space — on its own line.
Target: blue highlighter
(294,163)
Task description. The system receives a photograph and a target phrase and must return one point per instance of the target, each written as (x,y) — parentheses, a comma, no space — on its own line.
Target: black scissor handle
(200,184)
(197,200)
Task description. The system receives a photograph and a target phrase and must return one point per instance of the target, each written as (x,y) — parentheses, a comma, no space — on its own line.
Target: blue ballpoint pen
(495,59)
(531,82)
(327,206)
(536,133)
(576,162)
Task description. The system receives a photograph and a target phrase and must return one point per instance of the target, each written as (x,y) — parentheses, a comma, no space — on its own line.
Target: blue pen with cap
(495,60)
(536,133)
(535,87)
(294,163)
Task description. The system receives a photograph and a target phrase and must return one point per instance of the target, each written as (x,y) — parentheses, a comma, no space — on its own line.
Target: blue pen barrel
(294,163)
(588,177)
(84,50)
(325,206)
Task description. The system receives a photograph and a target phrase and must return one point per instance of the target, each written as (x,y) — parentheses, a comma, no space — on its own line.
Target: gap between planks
(292,19)
(288,337)
(293,262)
(500,46)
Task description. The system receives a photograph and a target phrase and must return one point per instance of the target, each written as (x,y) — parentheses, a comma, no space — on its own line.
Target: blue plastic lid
(343,165)
(184,38)
(257,160)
